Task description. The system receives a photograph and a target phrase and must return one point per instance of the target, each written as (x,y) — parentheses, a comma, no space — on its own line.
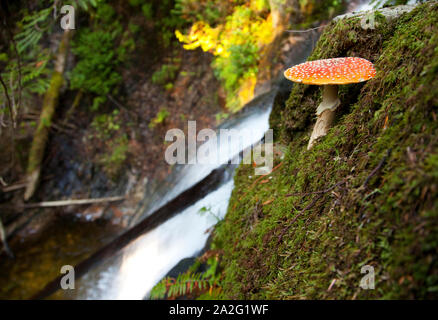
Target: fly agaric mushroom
(329,73)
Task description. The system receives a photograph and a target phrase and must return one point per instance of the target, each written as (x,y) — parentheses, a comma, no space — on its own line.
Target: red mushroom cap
(332,71)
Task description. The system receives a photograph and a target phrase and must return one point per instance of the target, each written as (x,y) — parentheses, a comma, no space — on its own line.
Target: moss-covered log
(50,103)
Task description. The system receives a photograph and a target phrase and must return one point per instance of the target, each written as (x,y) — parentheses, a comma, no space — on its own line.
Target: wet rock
(92,213)
(390,13)
(33,225)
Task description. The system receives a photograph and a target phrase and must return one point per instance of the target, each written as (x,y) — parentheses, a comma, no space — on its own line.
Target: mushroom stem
(325,113)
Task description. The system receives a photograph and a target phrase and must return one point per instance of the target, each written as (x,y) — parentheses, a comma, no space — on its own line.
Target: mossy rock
(366,194)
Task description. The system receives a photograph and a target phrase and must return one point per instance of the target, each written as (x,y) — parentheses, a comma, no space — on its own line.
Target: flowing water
(133,272)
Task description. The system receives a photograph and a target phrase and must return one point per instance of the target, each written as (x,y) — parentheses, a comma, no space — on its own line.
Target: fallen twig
(377,169)
(5,89)
(119,105)
(3,240)
(309,206)
(73,107)
(316,192)
(14,187)
(259,178)
(331,285)
(70,202)
(304,31)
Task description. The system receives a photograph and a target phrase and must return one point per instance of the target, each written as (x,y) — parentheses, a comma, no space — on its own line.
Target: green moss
(281,251)
(40,137)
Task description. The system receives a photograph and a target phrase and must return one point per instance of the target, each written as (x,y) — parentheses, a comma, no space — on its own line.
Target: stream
(133,271)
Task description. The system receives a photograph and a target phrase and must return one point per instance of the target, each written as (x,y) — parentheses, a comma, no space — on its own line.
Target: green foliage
(167,73)
(146,9)
(182,285)
(32,28)
(159,118)
(31,70)
(35,74)
(87,4)
(210,11)
(313,11)
(95,71)
(106,124)
(240,64)
(221,116)
(261,5)
(100,49)
(106,132)
(188,283)
(236,40)
(113,160)
(135,3)
(243,55)
(208,211)
(165,21)
(168,86)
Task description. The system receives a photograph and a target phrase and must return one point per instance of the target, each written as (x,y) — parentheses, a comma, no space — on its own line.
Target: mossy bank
(366,194)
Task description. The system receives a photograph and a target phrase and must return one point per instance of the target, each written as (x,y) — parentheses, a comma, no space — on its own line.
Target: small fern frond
(184,284)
